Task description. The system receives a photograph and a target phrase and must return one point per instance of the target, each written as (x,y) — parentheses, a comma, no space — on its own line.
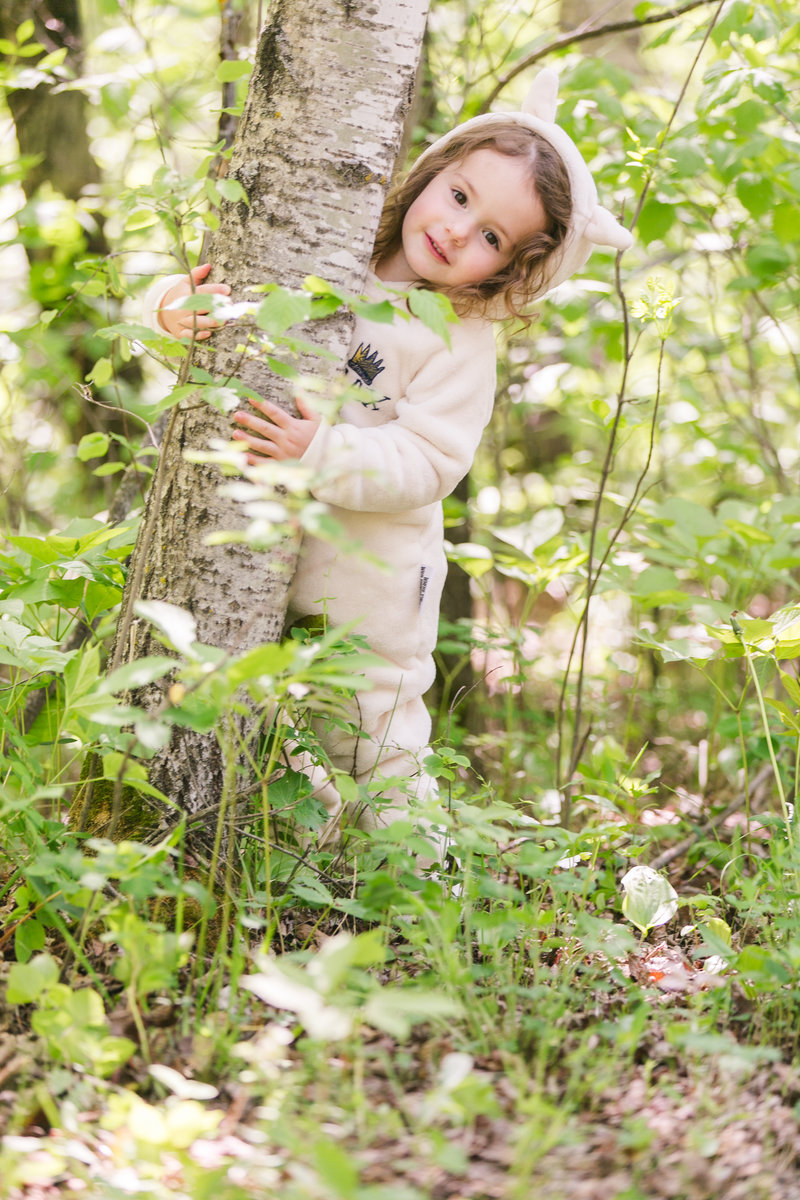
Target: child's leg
(388,744)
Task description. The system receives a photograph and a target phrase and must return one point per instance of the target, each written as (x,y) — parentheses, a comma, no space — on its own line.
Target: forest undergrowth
(604,1009)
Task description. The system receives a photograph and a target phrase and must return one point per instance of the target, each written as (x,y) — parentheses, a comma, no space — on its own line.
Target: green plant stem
(737,629)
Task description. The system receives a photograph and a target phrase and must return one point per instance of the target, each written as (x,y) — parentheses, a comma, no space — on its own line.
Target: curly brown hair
(523,277)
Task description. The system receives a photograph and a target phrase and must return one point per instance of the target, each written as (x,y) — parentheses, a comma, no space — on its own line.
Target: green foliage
(72,1023)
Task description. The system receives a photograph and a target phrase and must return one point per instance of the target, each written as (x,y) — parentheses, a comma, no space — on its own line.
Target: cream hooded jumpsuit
(384,469)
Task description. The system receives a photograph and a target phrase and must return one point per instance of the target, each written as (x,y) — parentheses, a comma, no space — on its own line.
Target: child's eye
(459,197)
(492,239)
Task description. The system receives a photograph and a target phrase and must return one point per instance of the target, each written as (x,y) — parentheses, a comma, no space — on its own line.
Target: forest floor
(649,1078)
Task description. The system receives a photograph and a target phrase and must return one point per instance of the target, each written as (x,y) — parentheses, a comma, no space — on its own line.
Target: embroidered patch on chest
(366,365)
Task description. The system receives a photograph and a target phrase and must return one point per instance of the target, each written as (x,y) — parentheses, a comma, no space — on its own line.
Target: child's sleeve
(418,457)
(153,298)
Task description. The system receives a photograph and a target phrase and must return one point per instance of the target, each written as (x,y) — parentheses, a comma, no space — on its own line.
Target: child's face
(465,225)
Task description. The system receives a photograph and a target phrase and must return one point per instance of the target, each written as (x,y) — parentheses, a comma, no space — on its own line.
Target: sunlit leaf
(649,900)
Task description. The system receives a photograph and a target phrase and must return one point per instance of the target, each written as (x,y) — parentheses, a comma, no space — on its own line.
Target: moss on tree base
(103,808)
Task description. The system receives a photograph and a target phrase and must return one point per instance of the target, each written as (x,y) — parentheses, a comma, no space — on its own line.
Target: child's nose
(458,227)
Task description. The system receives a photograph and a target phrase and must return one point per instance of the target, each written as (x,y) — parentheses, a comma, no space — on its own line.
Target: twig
(714,822)
(582,35)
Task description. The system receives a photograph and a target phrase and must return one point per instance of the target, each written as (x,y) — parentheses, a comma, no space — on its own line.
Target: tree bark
(314,152)
(53,128)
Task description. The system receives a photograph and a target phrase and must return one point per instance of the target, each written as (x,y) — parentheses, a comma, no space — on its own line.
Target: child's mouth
(436,250)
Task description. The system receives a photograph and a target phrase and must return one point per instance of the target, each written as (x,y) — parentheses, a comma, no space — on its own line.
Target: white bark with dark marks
(314,152)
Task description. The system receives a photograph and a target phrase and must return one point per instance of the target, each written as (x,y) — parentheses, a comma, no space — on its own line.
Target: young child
(494,215)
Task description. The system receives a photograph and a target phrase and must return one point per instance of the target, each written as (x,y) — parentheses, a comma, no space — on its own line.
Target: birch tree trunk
(314,152)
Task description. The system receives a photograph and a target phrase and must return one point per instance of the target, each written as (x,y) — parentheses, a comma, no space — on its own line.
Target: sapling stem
(737,629)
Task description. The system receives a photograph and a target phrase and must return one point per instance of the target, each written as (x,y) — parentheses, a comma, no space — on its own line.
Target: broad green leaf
(29,936)
(27,981)
(474,559)
(434,310)
(176,624)
(690,518)
(313,891)
(233,68)
(93,445)
(321,287)
(749,533)
(281,309)
(649,900)
(269,660)
(396,1010)
(337,1169)
(138,673)
(792,686)
(81,674)
(756,193)
(101,373)
(655,220)
(232,190)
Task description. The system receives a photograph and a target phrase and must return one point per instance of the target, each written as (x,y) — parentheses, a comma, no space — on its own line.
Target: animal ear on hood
(603,230)
(542,99)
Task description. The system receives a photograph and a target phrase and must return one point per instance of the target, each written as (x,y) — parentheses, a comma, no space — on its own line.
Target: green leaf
(176,624)
(792,686)
(321,287)
(756,193)
(282,309)
(649,900)
(749,533)
(693,521)
(28,937)
(269,660)
(474,559)
(101,373)
(655,220)
(434,310)
(337,1169)
(233,68)
(382,311)
(27,981)
(81,674)
(396,1010)
(93,445)
(785,223)
(658,585)
(314,891)
(137,674)
(232,190)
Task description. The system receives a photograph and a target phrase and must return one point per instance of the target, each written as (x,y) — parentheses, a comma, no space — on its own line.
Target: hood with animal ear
(590,224)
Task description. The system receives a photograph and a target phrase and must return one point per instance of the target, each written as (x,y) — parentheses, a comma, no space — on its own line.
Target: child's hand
(181,322)
(280,435)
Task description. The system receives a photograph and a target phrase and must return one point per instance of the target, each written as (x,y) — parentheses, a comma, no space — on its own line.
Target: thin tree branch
(583,35)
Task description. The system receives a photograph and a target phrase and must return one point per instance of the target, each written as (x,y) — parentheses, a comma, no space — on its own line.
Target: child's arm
(411,461)
(181,322)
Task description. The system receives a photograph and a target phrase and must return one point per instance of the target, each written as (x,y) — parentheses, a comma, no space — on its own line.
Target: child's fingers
(258,445)
(198,274)
(257,424)
(305,409)
(200,321)
(274,414)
